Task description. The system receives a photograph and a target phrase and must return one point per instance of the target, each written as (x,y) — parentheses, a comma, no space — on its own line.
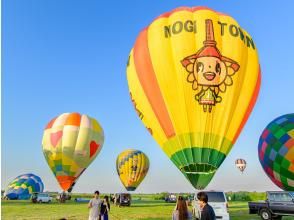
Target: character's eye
(200,67)
(217,68)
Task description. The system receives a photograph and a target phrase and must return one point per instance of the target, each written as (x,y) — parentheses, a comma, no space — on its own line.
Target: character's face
(209,71)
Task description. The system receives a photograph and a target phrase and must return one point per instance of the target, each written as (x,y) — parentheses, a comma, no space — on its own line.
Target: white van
(217,200)
(41,197)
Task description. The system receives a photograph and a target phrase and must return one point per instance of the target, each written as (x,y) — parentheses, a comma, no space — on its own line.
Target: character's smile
(209,75)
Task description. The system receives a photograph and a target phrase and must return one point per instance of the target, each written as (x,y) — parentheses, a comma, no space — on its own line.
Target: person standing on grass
(207,212)
(95,206)
(105,208)
(181,210)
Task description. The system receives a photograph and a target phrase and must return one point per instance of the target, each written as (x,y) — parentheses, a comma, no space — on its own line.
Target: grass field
(140,209)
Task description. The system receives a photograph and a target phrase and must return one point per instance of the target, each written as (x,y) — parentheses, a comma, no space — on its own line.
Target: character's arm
(90,204)
(217,98)
(199,95)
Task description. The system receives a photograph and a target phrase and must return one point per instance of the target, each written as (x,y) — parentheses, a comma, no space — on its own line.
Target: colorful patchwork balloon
(71,142)
(194,77)
(276,151)
(132,167)
(23,186)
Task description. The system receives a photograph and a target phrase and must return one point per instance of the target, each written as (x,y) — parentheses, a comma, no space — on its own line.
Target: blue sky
(70,56)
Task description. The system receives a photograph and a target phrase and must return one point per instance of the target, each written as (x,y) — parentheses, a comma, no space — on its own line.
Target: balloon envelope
(71,142)
(194,77)
(276,151)
(132,167)
(23,186)
(241,164)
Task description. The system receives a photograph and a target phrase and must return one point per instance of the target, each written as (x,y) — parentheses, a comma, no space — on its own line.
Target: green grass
(140,209)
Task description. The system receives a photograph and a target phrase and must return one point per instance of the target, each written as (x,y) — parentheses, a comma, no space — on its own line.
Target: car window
(280,197)
(285,197)
(271,197)
(275,197)
(215,197)
(125,196)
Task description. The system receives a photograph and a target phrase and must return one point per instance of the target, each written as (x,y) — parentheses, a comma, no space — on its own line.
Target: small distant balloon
(276,151)
(23,186)
(132,167)
(241,164)
(71,142)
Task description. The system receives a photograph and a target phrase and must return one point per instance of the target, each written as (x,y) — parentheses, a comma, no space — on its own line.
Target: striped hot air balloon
(132,167)
(71,142)
(276,151)
(23,186)
(240,164)
(194,77)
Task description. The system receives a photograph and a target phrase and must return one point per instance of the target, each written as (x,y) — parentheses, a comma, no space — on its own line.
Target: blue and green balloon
(276,151)
(23,186)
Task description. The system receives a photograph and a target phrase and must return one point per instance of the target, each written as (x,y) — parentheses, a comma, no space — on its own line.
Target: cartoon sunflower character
(209,71)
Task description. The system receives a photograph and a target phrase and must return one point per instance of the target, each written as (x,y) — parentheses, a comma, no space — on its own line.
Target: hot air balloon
(132,167)
(276,151)
(71,142)
(240,164)
(23,186)
(194,77)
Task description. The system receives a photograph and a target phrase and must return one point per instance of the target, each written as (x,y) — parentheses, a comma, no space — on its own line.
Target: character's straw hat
(209,49)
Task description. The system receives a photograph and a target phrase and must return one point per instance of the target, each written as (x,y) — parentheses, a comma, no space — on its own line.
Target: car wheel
(265,214)
(49,201)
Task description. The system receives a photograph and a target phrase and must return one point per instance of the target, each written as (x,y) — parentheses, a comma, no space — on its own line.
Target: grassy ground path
(140,209)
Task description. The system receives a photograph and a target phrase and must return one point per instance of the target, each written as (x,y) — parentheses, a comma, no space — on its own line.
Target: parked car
(217,200)
(41,198)
(171,198)
(86,200)
(123,199)
(276,205)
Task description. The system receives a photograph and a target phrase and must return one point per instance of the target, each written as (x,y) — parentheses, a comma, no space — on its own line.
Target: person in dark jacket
(207,212)
(105,208)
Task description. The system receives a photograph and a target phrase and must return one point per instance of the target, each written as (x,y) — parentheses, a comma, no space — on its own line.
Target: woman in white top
(94,206)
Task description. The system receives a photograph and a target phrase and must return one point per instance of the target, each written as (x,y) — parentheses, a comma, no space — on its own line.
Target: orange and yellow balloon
(194,77)
(132,167)
(71,142)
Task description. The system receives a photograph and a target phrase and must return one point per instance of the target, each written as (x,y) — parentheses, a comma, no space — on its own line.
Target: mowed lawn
(140,209)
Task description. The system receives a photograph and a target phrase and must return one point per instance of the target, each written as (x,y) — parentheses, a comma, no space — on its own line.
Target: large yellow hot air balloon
(71,142)
(194,77)
(132,167)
